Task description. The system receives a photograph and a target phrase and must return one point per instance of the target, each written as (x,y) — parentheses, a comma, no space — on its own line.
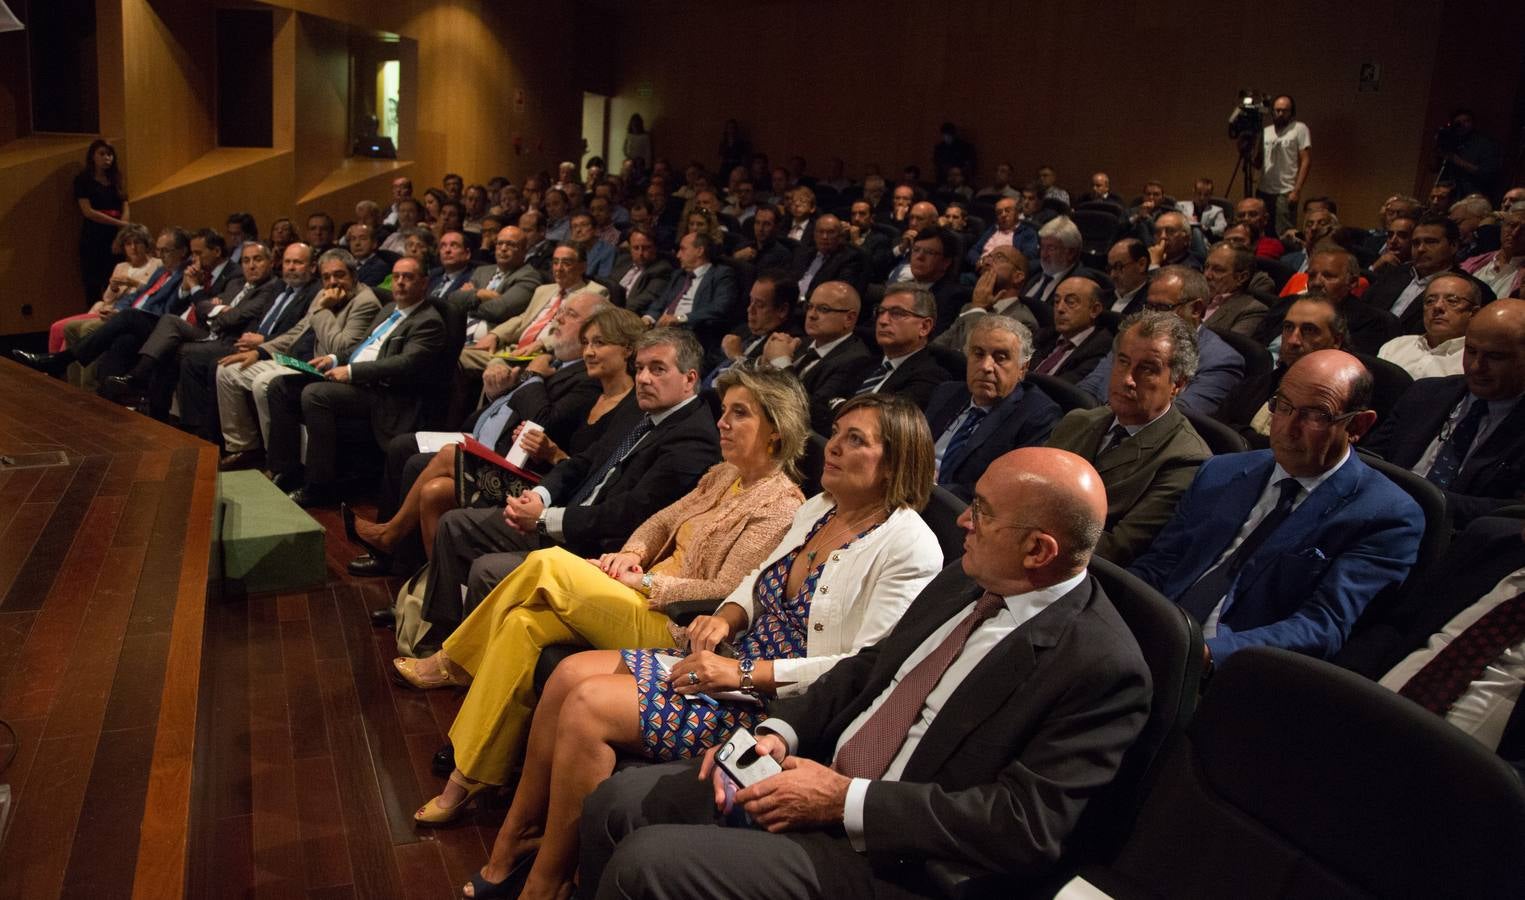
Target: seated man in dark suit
(975,732)
(1184,292)
(1461,652)
(769,308)
(829,257)
(874,244)
(767,249)
(384,381)
(372,265)
(830,360)
(640,276)
(902,323)
(1231,308)
(1076,343)
(588,501)
(1145,450)
(1128,266)
(702,297)
(1059,248)
(499,291)
(1311,322)
(1335,274)
(992,411)
(1285,547)
(923,215)
(1400,289)
(454,272)
(1466,433)
(934,256)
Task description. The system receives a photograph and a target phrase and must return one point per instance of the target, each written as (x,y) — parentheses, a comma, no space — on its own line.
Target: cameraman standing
(1469,159)
(1284,156)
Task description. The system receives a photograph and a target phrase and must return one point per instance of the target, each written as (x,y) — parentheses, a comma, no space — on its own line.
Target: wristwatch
(646,583)
(540,525)
(746,674)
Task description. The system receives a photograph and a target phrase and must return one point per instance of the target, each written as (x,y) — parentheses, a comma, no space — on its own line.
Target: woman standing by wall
(102,197)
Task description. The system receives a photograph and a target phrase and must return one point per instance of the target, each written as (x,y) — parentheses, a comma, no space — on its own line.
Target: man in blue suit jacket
(1220,368)
(1022,234)
(1007,414)
(1256,574)
(701,297)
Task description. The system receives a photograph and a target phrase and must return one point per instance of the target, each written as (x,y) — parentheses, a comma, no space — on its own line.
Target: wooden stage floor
(173,744)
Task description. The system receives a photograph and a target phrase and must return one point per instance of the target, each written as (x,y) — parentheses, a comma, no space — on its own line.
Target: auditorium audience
(769,307)
(1184,292)
(1128,263)
(1466,433)
(1399,289)
(992,410)
(1059,246)
(875,554)
(332,321)
(986,765)
(766,249)
(524,334)
(501,290)
(1006,231)
(1335,275)
(1285,547)
(639,276)
(1142,446)
(576,393)
(1251,212)
(1311,322)
(140,263)
(702,297)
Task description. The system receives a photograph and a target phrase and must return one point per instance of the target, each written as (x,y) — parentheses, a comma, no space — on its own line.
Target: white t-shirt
(1281,151)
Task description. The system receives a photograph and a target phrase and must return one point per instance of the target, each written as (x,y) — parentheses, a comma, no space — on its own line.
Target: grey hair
(600,301)
(1475,206)
(343,256)
(1183,341)
(690,355)
(1061,229)
(993,322)
(922,301)
(1194,284)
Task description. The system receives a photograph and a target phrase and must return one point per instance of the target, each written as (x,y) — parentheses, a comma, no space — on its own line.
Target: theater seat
(1257,359)
(941,515)
(1068,396)
(1298,779)
(1219,437)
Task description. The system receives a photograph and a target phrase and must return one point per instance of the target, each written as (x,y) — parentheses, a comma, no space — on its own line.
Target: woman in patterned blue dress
(855,557)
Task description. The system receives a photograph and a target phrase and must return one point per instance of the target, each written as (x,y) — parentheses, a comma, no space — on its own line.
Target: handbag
(408,612)
(483,478)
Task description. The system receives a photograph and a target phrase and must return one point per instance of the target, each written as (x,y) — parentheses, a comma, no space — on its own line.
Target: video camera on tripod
(1248,117)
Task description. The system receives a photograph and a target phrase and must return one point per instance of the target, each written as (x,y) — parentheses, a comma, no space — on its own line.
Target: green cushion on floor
(264,542)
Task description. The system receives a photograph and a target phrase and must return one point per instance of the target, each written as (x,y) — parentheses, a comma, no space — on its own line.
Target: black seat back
(1309,781)
(1067,395)
(812,461)
(1219,437)
(941,515)
(1257,359)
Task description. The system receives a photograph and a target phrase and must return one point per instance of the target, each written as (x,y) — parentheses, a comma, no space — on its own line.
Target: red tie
(1448,674)
(1051,362)
(869,753)
(672,308)
(151,289)
(527,340)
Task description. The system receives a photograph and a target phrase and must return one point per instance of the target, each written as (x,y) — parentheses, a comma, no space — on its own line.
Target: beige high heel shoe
(408,670)
(433,813)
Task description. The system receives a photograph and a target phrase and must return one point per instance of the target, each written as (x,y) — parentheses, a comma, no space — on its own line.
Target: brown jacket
(738,532)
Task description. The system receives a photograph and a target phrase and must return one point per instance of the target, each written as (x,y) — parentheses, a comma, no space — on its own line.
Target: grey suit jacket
(513,294)
(1240,313)
(335,331)
(1004,770)
(1144,475)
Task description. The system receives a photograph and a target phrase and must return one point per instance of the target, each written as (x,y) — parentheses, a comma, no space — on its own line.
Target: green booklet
(291,362)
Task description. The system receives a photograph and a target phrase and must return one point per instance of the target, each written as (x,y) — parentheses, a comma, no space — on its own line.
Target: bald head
(923,215)
(831,311)
(1040,515)
(1318,411)
(1494,358)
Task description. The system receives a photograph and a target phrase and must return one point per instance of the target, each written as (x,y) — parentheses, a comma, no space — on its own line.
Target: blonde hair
(616,325)
(909,456)
(783,403)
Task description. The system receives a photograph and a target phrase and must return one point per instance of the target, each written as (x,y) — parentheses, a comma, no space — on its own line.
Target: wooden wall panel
(169,95)
(1143,91)
(322,99)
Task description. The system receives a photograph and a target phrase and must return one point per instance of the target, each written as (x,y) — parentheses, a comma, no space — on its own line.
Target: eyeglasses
(1316,419)
(898,313)
(823,309)
(979,513)
(1452,301)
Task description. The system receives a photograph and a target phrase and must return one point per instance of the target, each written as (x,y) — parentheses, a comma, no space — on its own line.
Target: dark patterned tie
(872,382)
(1115,436)
(1448,461)
(592,482)
(1051,362)
(805,360)
(1202,598)
(672,306)
(957,443)
(869,752)
(1446,676)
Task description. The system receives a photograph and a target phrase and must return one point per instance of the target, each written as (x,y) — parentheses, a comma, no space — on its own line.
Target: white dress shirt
(1413,353)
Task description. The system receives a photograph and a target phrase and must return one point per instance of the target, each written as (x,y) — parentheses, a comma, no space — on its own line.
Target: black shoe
(383,618)
(243,459)
(55,364)
(121,388)
(347,516)
(367,565)
(443,762)
(312,495)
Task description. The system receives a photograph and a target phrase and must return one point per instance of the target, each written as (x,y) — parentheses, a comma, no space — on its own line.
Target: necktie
(152,289)
(1038,287)
(672,307)
(592,483)
(1051,362)
(1448,461)
(1115,436)
(1202,598)
(632,275)
(493,420)
(804,361)
(443,288)
(872,382)
(497,280)
(960,439)
(869,752)
(379,333)
(532,333)
(1446,677)
(267,324)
